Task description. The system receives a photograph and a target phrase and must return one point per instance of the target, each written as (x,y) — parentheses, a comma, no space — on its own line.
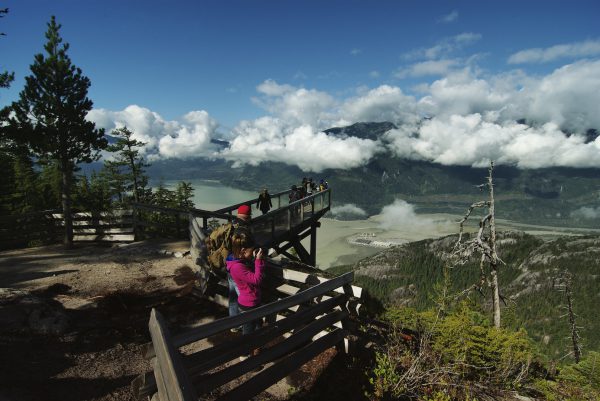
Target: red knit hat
(244,209)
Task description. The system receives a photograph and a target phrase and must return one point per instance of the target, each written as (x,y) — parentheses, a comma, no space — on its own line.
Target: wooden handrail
(230,209)
(260,312)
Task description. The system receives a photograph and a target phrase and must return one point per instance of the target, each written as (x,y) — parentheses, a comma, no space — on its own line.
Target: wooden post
(168,367)
(272,227)
(313,244)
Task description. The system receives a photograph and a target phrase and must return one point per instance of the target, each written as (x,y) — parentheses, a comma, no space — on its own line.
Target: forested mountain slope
(531,282)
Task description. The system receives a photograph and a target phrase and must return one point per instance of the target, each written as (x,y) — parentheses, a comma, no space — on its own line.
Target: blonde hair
(240,240)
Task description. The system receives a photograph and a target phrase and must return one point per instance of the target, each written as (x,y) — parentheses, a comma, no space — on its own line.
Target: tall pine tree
(49,116)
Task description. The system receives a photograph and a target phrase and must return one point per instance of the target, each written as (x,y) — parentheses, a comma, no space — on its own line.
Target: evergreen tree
(126,172)
(49,184)
(92,194)
(163,197)
(49,116)
(184,193)
(26,195)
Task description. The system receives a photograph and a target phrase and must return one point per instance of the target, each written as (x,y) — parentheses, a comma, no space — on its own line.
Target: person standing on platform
(264,201)
(247,270)
(219,245)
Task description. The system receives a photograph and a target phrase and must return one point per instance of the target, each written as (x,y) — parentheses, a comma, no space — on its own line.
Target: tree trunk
(496,296)
(494,261)
(66,205)
(134,173)
(574,333)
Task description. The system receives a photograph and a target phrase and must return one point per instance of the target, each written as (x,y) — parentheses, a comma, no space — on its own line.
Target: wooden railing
(320,322)
(285,219)
(278,200)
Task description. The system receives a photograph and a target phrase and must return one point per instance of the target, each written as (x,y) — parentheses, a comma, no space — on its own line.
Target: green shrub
(452,352)
(481,352)
(586,373)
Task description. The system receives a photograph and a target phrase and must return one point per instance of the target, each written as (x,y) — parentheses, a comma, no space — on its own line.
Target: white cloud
(297,105)
(146,125)
(568,97)
(430,67)
(190,140)
(463,93)
(181,139)
(272,139)
(355,52)
(347,211)
(471,140)
(588,48)
(444,47)
(451,17)
(374,74)
(300,76)
(401,215)
(384,103)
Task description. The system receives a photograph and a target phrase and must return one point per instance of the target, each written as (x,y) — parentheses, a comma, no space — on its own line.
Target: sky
(465,82)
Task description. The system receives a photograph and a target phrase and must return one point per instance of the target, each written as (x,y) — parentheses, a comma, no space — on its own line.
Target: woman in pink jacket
(247,270)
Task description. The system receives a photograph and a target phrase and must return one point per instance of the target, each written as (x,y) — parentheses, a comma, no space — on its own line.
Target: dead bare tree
(575,338)
(484,243)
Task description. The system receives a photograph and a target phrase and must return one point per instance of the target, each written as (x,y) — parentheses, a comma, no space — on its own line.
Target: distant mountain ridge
(372,131)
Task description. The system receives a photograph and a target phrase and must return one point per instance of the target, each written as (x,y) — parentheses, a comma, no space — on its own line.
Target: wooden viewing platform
(305,312)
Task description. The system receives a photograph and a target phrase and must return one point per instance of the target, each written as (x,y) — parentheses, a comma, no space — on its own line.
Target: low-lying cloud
(586,213)
(271,139)
(401,215)
(348,211)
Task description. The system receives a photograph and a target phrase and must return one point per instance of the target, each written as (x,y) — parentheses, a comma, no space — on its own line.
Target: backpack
(218,245)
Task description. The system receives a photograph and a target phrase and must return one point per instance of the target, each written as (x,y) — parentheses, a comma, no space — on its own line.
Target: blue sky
(271,75)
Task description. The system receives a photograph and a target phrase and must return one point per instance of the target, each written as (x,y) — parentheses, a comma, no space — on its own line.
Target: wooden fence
(27,229)
(320,321)
(47,227)
(113,226)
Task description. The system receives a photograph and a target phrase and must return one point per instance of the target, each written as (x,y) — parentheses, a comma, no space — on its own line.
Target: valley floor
(337,240)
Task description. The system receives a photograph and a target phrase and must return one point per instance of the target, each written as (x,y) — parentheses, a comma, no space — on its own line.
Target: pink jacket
(248,280)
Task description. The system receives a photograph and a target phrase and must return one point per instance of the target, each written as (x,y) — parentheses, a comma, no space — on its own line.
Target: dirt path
(72,323)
